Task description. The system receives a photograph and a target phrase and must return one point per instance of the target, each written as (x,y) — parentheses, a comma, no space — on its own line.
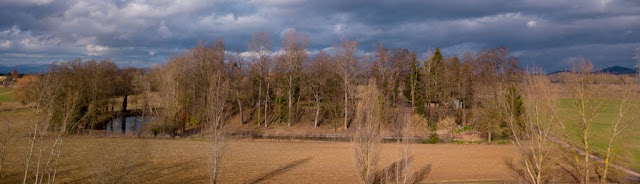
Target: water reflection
(133,124)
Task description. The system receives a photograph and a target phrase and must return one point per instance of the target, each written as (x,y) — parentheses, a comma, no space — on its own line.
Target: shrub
(463,129)
(155,131)
(158,127)
(433,138)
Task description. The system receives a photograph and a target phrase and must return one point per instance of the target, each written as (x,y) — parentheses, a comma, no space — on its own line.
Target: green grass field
(627,146)
(6,94)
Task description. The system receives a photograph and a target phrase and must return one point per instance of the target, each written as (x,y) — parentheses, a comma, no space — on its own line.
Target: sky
(138,33)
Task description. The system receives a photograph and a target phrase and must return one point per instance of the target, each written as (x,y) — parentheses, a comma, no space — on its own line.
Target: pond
(133,124)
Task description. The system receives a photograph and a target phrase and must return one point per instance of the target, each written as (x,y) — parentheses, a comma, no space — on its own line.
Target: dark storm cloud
(549,33)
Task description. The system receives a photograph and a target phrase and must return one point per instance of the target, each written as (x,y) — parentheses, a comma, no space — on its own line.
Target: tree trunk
(607,159)
(413,97)
(346,107)
(2,156)
(464,117)
(32,143)
(290,114)
(124,103)
(586,153)
(124,118)
(185,120)
(315,124)
(240,108)
(164,126)
(258,104)
(140,130)
(266,104)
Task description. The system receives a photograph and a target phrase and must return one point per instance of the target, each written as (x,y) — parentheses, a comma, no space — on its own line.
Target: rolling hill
(615,70)
(25,68)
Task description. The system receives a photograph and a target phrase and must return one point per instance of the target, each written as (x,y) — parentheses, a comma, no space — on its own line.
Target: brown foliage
(24,88)
(366,139)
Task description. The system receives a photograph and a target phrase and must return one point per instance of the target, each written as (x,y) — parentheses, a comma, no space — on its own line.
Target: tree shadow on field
(114,172)
(398,171)
(186,171)
(281,170)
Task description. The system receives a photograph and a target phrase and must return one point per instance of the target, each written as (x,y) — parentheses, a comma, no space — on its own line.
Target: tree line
(265,86)
(203,89)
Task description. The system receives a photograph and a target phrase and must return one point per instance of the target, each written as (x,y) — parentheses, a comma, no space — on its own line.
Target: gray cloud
(549,33)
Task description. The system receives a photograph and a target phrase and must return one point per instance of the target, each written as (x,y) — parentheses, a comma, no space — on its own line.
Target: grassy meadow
(626,146)
(6,94)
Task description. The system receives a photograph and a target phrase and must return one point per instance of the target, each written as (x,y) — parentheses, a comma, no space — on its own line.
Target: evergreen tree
(434,80)
(414,85)
(516,106)
(436,76)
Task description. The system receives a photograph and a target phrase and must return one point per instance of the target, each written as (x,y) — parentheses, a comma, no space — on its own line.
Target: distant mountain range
(42,68)
(616,70)
(25,68)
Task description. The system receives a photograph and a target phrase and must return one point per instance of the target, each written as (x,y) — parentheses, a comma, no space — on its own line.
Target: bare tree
(466,85)
(295,54)
(52,116)
(401,170)
(8,133)
(41,92)
(185,85)
(218,93)
(400,66)
(347,60)
(366,139)
(143,81)
(50,166)
(169,85)
(239,84)
(196,90)
(532,133)
(324,87)
(260,46)
(622,122)
(384,70)
(273,75)
(414,76)
(586,105)
(322,82)
(432,68)
(493,69)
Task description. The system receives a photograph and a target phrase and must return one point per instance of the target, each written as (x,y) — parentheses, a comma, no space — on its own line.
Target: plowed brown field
(260,161)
